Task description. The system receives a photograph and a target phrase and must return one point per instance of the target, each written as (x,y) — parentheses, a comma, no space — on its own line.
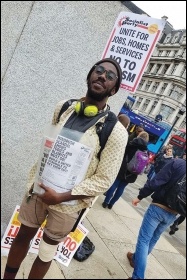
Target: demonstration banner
(65,250)
(131,44)
(10,233)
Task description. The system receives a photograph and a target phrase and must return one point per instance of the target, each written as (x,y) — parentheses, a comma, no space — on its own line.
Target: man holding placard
(56,207)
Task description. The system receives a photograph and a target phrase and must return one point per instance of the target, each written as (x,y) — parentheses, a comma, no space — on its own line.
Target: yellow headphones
(88,111)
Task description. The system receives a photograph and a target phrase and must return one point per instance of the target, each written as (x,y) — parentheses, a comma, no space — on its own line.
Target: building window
(146,103)
(183,124)
(167,39)
(168,53)
(163,88)
(164,69)
(183,72)
(175,38)
(147,86)
(166,111)
(141,84)
(155,86)
(184,39)
(175,53)
(160,53)
(153,106)
(157,67)
(176,93)
(149,67)
(183,54)
(173,69)
(137,105)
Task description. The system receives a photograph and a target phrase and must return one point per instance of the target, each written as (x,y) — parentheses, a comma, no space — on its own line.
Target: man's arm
(51,197)
(160,179)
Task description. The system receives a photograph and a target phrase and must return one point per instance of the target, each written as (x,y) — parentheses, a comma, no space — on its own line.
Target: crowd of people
(107,174)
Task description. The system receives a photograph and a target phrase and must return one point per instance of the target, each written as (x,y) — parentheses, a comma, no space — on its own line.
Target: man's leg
(18,251)
(167,219)
(110,192)
(46,252)
(149,224)
(179,220)
(119,191)
(174,226)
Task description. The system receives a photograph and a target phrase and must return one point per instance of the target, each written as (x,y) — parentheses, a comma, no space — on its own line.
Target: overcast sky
(175,11)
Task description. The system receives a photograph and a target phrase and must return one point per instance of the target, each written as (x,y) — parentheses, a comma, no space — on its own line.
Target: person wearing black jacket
(158,217)
(124,176)
(163,159)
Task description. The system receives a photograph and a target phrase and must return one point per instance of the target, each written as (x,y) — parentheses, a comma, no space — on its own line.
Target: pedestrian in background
(175,226)
(139,128)
(124,177)
(162,159)
(157,218)
(156,161)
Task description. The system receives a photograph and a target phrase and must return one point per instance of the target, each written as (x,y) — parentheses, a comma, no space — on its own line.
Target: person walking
(103,81)
(124,176)
(158,217)
(160,159)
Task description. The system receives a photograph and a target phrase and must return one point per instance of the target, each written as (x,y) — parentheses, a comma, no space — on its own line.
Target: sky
(174,10)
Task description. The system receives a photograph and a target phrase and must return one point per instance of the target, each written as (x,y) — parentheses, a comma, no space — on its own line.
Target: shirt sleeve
(56,111)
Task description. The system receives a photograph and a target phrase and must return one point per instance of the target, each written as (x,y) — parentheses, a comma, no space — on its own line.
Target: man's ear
(113,91)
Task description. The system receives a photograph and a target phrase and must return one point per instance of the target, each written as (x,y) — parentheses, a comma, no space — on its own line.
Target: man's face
(100,84)
(169,152)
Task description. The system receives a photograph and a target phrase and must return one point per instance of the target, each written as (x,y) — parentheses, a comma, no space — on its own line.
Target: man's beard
(95,95)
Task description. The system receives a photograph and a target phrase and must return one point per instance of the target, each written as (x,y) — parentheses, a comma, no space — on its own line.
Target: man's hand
(50,197)
(135,201)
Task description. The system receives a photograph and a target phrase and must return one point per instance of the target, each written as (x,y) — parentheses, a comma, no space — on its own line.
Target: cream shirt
(101,173)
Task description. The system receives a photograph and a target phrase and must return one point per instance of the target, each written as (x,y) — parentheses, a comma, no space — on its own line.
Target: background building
(162,89)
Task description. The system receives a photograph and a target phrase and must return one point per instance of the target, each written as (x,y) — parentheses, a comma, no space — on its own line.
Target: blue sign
(149,126)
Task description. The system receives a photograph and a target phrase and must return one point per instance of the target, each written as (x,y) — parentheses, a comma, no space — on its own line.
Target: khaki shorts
(34,213)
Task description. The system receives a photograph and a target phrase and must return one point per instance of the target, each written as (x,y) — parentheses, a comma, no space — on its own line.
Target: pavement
(114,233)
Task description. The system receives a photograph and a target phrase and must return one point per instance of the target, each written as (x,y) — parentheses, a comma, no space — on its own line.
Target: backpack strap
(65,106)
(104,130)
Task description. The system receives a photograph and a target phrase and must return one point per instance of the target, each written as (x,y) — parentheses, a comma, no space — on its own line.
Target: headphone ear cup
(79,108)
(90,111)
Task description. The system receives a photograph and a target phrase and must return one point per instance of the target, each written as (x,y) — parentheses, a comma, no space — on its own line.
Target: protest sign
(65,250)
(10,232)
(131,44)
